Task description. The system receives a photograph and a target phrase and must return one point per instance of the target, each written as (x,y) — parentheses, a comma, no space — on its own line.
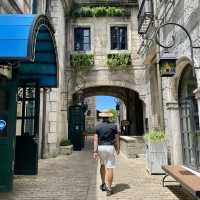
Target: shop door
(76,126)
(7,134)
(26,153)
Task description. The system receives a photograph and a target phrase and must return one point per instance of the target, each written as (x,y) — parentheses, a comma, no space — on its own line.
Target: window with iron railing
(145,15)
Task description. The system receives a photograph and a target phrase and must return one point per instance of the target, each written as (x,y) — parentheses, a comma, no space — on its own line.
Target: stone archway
(134,105)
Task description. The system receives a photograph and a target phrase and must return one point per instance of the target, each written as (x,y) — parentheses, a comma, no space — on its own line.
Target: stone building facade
(128,85)
(178,96)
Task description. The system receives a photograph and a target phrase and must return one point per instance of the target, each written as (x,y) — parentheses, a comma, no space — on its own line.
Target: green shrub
(156,136)
(87,12)
(82,62)
(100,11)
(65,142)
(119,61)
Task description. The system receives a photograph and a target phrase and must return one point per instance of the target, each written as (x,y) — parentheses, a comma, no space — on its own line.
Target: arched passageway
(134,105)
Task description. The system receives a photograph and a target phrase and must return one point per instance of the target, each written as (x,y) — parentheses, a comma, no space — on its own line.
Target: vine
(82,62)
(119,61)
(100,11)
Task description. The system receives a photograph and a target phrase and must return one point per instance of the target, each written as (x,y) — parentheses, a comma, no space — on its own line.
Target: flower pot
(156,156)
(66,150)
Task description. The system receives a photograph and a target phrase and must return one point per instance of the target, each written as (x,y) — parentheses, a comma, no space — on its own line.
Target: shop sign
(2,125)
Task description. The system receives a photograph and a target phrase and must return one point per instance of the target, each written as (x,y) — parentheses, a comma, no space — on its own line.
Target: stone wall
(131,147)
(56,114)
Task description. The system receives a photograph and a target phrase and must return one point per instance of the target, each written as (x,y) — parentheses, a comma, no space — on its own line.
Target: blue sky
(104,102)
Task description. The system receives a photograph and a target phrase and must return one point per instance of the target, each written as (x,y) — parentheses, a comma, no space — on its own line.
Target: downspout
(159,81)
(44,112)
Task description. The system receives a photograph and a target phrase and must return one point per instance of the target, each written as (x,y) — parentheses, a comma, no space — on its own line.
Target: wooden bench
(187,179)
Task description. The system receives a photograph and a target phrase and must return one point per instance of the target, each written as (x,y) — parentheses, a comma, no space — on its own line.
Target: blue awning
(29,41)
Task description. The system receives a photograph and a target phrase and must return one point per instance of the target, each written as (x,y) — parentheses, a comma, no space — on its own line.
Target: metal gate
(190,132)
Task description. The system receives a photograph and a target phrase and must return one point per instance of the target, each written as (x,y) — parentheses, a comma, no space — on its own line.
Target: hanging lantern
(167,64)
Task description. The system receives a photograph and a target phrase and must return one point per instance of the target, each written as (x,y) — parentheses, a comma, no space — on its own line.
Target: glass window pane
(29,127)
(19,109)
(19,127)
(86,40)
(86,32)
(30,92)
(81,36)
(30,109)
(86,47)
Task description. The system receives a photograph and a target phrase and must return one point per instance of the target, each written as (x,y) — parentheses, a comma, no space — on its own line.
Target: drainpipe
(44,112)
(159,81)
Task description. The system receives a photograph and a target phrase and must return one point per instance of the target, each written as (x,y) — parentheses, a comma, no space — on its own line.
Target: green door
(27,131)
(7,133)
(76,126)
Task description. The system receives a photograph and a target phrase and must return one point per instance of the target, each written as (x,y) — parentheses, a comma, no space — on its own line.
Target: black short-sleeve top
(106,133)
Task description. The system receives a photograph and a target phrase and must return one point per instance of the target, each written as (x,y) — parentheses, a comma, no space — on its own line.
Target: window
(189,118)
(82,39)
(118,38)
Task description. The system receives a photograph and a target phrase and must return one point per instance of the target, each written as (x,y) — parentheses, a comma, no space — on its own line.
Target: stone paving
(132,182)
(76,177)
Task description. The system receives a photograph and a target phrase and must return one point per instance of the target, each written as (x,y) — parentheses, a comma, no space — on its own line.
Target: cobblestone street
(75,178)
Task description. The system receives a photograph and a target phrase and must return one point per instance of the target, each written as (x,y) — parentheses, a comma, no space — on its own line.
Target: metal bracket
(173,41)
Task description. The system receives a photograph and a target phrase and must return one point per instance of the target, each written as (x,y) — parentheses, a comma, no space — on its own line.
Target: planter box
(156,156)
(66,150)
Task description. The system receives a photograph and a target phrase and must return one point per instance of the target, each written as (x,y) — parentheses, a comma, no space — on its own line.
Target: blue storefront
(28,54)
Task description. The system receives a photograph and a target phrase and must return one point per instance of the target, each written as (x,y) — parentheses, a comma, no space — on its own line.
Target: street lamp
(170,64)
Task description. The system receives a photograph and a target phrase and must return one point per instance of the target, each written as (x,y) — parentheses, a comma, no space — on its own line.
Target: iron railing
(145,16)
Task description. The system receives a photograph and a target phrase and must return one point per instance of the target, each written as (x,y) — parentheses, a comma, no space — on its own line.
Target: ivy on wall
(82,62)
(101,11)
(118,61)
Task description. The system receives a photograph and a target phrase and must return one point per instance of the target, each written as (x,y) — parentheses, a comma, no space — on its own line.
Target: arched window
(189,120)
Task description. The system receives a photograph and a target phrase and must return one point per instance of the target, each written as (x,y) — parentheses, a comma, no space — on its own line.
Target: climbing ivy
(82,62)
(118,61)
(100,11)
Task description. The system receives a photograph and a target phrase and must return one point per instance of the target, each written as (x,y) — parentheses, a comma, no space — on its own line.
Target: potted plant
(66,147)
(155,151)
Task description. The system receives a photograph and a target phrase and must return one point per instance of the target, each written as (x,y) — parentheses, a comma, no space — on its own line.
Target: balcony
(107,2)
(145,16)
